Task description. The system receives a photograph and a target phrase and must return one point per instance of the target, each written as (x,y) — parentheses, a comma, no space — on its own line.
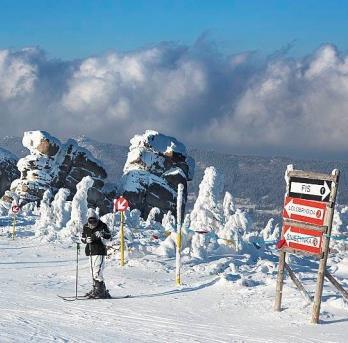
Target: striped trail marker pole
(179,233)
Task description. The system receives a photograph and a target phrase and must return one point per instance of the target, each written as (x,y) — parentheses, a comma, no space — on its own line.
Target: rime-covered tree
(207,213)
(45,222)
(61,208)
(79,208)
(228,205)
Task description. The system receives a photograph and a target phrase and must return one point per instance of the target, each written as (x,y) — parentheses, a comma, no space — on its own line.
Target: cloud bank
(241,103)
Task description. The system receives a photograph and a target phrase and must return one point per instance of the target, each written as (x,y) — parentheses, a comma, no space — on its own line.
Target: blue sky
(223,80)
(80,28)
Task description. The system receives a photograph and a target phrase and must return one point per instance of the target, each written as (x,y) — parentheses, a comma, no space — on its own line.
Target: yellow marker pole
(178,253)
(14,227)
(178,234)
(122,240)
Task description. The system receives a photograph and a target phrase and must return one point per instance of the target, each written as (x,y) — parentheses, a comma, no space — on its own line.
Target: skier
(93,235)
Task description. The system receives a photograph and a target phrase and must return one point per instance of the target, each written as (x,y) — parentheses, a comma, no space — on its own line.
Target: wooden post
(280,282)
(122,240)
(323,260)
(337,285)
(281,265)
(298,284)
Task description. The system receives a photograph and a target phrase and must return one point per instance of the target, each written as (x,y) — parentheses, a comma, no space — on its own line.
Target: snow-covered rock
(8,170)
(155,166)
(54,165)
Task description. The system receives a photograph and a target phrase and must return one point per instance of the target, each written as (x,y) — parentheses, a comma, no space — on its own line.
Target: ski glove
(89,240)
(98,234)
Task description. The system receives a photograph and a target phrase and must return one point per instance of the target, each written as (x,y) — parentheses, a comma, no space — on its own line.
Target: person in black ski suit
(93,235)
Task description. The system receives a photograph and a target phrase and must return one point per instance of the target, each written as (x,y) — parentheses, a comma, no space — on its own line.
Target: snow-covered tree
(45,209)
(228,205)
(79,208)
(45,223)
(168,246)
(340,229)
(151,218)
(134,219)
(267,231)
(203,243)
(207,213)
(236,225)
(61,208)
(340,221)
(169,222)
(276,233)
(187,232)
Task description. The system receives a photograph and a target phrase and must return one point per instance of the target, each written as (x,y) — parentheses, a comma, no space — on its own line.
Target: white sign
(321,191)
(302,210)
(303,239)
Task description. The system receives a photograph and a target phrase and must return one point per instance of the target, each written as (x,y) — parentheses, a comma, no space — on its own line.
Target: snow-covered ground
(226,298)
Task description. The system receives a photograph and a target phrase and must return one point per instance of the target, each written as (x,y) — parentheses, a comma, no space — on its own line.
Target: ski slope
(223,299)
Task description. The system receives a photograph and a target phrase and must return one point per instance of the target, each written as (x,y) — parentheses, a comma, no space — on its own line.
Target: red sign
(307,211)
(302,239)
(121,204)
(15,209)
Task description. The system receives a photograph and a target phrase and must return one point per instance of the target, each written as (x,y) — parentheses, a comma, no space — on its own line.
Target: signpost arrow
(121,204)
(310,189)
(311,212)
(321,191)
(15,209)
(302,239)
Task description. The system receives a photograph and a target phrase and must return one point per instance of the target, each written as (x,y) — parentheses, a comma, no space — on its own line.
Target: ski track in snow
(206,309)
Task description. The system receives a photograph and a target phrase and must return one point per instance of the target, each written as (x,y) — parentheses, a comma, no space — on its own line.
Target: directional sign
(310,189)
(121,204)
(15,209)
(302,239)
(311,212)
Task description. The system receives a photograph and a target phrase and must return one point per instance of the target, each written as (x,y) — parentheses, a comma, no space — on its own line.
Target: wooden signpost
(307,223)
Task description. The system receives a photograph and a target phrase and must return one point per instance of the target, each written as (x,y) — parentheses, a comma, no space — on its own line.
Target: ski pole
(90,259)
(77,266)
(14,227)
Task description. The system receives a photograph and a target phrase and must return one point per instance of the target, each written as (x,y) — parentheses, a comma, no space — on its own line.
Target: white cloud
(17,76)
(238,103)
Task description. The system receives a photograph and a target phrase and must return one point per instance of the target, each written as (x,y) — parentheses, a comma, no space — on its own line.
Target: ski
(74,298)
(112,298)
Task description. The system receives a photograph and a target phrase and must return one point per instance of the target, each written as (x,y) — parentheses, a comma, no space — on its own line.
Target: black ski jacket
(97,246)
